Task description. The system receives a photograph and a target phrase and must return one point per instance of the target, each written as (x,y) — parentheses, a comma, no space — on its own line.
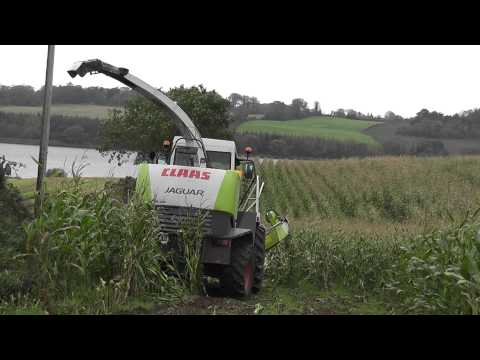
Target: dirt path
(203,305)
(272,300)
(300,299)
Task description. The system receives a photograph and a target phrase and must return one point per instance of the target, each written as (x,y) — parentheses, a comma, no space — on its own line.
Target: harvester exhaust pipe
(182,120)
(81,68)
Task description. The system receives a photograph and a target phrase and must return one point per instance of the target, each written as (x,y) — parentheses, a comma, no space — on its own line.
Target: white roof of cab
(213,144)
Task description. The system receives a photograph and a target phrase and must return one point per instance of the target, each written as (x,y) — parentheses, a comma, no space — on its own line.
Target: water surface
(64,157)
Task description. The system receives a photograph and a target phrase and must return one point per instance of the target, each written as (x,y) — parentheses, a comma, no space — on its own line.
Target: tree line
(288,146)
(242,107)
(107,134)
(215,116)
(67,130)
(433,124)
(24,95)
(357,115)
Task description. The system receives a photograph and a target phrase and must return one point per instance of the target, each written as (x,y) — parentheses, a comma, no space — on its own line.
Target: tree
(17,95)
(56,172)
(278,111)
(299,107)
(236,100)
(254,104)
(339,113)
(391,116)
(317,109)
(142,126)
(6,168)
(352,114)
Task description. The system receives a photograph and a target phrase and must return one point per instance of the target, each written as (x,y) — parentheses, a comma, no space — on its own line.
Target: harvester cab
(205,179)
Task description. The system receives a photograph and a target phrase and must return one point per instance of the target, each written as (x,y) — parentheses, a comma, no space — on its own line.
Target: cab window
(219,160)
(186,156)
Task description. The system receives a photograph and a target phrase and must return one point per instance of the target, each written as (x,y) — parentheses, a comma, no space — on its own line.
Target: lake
(64,157)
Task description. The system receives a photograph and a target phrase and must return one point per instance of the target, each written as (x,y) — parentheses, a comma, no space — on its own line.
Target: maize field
(403,227)
(395,235)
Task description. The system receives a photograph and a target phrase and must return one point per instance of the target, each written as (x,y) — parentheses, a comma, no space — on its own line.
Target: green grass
(319,126)
(298,299)
(306,299)
(92,111)
(27,186)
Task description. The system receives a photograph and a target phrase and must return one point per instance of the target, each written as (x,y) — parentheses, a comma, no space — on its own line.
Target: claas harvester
(204,177)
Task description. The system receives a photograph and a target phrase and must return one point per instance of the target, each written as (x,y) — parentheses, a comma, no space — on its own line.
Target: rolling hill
(319,126)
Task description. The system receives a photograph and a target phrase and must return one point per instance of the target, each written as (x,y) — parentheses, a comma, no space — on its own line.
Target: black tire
(237,278)
(259,255)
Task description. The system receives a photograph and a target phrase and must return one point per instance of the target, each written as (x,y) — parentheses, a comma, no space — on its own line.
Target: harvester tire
(259,255)
(237,278)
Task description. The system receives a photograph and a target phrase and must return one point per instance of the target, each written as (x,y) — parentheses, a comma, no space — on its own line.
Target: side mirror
(249,170)
(272,217)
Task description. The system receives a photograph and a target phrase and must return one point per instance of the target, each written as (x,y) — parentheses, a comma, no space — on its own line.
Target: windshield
(186,156)
(219,160)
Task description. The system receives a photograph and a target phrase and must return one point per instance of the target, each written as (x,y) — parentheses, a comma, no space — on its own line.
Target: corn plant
(191,251)
(332,258)
(440,272)
(92,241)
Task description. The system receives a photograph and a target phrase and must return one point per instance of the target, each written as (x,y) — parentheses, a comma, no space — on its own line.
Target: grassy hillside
(319,126)
(93,111)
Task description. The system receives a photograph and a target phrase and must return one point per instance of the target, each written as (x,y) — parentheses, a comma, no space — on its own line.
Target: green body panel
(277,234)
(142,186)
(228,194)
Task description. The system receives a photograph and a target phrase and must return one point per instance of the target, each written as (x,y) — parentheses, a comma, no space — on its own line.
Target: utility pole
(42,156)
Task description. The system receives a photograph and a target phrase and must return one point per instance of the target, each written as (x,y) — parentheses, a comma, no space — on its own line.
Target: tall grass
(191,252)
(439,272)
(329,259)
(436,272)
(95,250)
(91,247)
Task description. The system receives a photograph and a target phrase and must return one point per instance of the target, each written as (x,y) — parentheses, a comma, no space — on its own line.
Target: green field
(92,111)
(27,186)
(383,235)
(319,126)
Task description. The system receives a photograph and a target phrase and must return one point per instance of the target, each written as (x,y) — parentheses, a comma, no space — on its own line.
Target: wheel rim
(248,277)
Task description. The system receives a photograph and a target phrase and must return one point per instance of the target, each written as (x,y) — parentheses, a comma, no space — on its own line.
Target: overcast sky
(403,79)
